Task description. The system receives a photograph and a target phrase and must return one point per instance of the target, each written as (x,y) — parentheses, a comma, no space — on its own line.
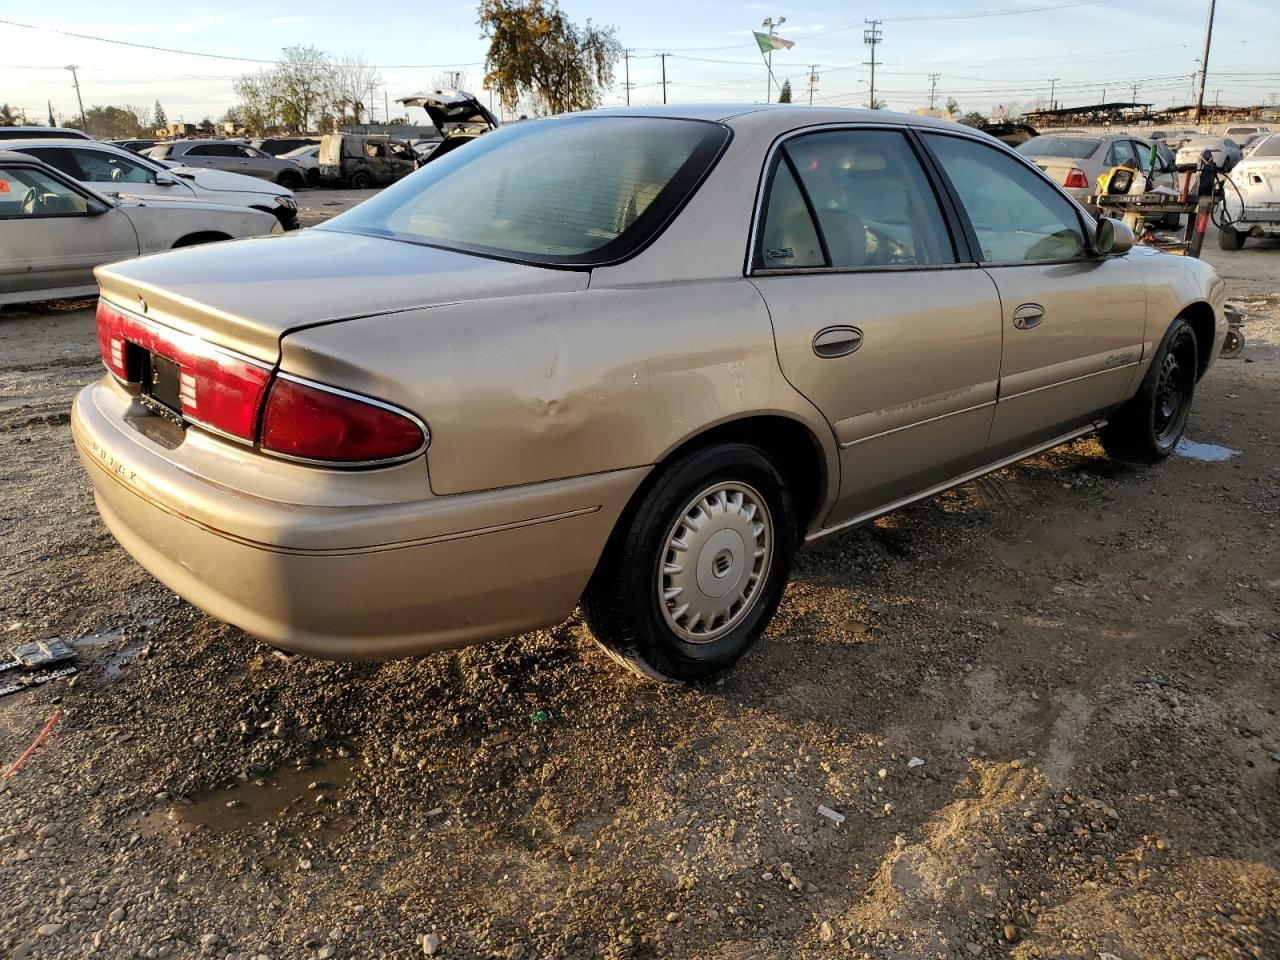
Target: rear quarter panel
(546,386)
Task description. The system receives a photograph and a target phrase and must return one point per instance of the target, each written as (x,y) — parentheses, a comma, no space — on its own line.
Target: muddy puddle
(1208,452)
(133,638)
(262,802)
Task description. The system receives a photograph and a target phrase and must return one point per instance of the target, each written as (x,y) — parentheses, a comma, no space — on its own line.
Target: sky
(985,55)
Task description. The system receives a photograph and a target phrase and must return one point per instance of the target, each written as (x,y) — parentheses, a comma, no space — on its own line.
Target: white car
(55,230)
(1226,152)
(308,158)
(1252,209)
(110,169)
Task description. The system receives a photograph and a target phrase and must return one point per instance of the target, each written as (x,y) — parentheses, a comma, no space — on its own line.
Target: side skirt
(956,482)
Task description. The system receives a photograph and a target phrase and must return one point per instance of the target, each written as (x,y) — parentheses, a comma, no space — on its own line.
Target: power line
(216,56)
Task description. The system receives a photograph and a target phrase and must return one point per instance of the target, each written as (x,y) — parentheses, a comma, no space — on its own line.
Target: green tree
(973,119)
(111,123)
(160,119)
(784,95)
(539,55)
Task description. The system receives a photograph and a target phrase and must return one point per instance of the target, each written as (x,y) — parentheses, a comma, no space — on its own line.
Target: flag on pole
(768,43)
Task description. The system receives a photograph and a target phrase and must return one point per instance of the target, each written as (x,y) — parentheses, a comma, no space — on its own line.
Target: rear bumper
(305,577)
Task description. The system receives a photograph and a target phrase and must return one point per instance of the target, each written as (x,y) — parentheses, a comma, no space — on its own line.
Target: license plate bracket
(162,387)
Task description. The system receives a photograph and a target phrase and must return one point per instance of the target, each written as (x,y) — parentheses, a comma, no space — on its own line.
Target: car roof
(69,132)
(17,144)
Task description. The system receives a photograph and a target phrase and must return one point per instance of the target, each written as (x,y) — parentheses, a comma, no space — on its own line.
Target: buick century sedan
(629,360)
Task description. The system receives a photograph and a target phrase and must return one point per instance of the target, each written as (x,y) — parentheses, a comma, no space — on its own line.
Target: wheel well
(788,443)
(209,236)
(1204,325)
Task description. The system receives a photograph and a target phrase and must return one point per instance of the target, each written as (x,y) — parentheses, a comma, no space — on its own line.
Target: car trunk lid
(246,295)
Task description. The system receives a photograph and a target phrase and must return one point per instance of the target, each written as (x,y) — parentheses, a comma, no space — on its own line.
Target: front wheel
(1148,427)
(693,574)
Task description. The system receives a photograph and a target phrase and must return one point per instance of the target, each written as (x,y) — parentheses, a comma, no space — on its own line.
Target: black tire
(1230,238)
(628,603)
(360,180)
(313,178)
(290,180)
(1148,427)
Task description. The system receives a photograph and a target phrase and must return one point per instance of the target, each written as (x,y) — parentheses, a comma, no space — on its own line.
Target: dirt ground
(1045,705)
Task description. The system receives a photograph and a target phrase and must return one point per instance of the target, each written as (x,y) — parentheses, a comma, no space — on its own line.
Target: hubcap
(715,559)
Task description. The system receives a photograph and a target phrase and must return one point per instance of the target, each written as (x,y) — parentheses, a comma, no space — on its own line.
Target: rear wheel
(360,180)
(694,573)
(1148,427)
(1229,238)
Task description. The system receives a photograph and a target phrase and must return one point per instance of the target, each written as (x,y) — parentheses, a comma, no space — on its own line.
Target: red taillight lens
(219,390)
(1076,179)
(319,424)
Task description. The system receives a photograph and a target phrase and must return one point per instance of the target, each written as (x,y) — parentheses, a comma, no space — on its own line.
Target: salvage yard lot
(1084,655)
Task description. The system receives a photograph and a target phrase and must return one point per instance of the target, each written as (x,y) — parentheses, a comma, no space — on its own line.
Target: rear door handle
(834,342)
(1028,315)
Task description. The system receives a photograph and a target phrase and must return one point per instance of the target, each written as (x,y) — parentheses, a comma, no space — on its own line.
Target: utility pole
(933,88)
(871,37)
(386,105)
(76,80)
(769,24)
(664,75)
(1053,83)
(627,54)
(1204,63)
(1134,100)
(813,81)
(1216,95)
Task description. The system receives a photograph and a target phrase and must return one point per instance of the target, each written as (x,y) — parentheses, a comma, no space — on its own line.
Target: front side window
(1121,154)
(99,166)
(576,191)
(1016,215)
(32,193)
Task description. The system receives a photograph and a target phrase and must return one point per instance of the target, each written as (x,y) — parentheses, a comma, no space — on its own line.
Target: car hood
(222,180)
(248,294)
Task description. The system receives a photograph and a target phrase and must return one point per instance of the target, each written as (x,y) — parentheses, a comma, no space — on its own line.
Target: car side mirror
(164,180)
(1112,237)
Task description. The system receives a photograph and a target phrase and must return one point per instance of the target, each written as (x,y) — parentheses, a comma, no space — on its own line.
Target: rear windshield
(1071,148)
(572,191)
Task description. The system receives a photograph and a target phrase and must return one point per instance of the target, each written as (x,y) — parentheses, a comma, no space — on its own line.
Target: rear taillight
(218,389)
(306,421)
(1076,179)
(227,393)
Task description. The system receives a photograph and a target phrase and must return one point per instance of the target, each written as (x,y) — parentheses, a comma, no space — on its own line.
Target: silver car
(55,231)
(232,157)
(1226,152)
(111,169)
(1076,161)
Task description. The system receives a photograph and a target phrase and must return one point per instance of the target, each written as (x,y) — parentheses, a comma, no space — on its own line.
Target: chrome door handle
(832,342)
(1028,315)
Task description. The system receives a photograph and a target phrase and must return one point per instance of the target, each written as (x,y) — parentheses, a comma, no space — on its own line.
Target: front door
(52,236)
(877,321)
(1073,321)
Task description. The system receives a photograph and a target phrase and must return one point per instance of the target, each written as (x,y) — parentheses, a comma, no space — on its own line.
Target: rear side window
(1016,215)
(59,159)
(873,203)
(788,237)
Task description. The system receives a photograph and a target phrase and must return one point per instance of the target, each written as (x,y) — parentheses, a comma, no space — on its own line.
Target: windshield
(1072,148)
(571,191)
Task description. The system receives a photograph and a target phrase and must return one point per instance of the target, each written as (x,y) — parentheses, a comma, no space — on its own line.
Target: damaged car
(458,115)
(630,359)
(1251,201)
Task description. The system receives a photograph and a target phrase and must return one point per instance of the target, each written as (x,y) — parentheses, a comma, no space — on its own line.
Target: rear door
(1073,322)
(882,319)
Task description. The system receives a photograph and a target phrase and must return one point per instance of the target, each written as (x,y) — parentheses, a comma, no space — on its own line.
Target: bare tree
(143,114)
(451,80)
(354,82)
